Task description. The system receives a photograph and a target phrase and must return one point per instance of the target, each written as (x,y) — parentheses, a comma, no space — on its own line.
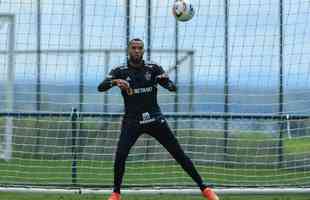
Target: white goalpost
(241,112)
(7,22)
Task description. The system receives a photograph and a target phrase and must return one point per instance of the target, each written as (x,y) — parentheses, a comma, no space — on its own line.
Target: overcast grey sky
(253,38)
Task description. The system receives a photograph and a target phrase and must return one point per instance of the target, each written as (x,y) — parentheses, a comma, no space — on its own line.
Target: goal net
(241,112)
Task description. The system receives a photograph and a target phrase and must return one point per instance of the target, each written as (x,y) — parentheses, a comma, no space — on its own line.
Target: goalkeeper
(138,83)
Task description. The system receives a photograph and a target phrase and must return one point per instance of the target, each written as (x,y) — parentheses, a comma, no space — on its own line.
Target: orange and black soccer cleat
(115,196)
(210,194)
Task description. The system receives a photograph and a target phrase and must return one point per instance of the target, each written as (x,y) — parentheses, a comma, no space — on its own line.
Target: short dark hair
(135,40)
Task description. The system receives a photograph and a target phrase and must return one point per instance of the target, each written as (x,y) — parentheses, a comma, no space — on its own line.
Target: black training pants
(159,129)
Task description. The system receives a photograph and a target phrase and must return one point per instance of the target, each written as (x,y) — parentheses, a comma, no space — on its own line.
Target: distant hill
(204,99)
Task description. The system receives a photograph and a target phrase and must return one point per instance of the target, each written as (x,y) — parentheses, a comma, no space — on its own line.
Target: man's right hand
(123,85)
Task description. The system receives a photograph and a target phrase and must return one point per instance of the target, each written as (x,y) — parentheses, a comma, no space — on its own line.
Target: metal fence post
(74,129)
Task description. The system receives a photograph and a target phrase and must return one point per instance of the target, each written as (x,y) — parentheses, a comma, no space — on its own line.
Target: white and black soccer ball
(183,10)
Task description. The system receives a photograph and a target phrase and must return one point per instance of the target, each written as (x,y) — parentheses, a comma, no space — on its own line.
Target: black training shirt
(143,81)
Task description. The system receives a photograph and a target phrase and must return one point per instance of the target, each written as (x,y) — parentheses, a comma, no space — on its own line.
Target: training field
(29,196)
(241,111)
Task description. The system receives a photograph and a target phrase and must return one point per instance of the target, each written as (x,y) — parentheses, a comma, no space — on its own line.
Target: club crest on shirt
(148,75)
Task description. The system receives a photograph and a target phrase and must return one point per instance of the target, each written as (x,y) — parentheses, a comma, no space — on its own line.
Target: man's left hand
(162,78)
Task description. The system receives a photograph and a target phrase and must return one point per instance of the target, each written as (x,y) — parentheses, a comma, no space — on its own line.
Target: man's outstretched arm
(165,82)
(113,79)
(106,84)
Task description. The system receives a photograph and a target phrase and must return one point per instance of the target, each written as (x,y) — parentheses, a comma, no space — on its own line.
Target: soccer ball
(183,10)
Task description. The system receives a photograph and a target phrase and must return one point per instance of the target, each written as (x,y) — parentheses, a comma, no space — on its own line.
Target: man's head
(135,50)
